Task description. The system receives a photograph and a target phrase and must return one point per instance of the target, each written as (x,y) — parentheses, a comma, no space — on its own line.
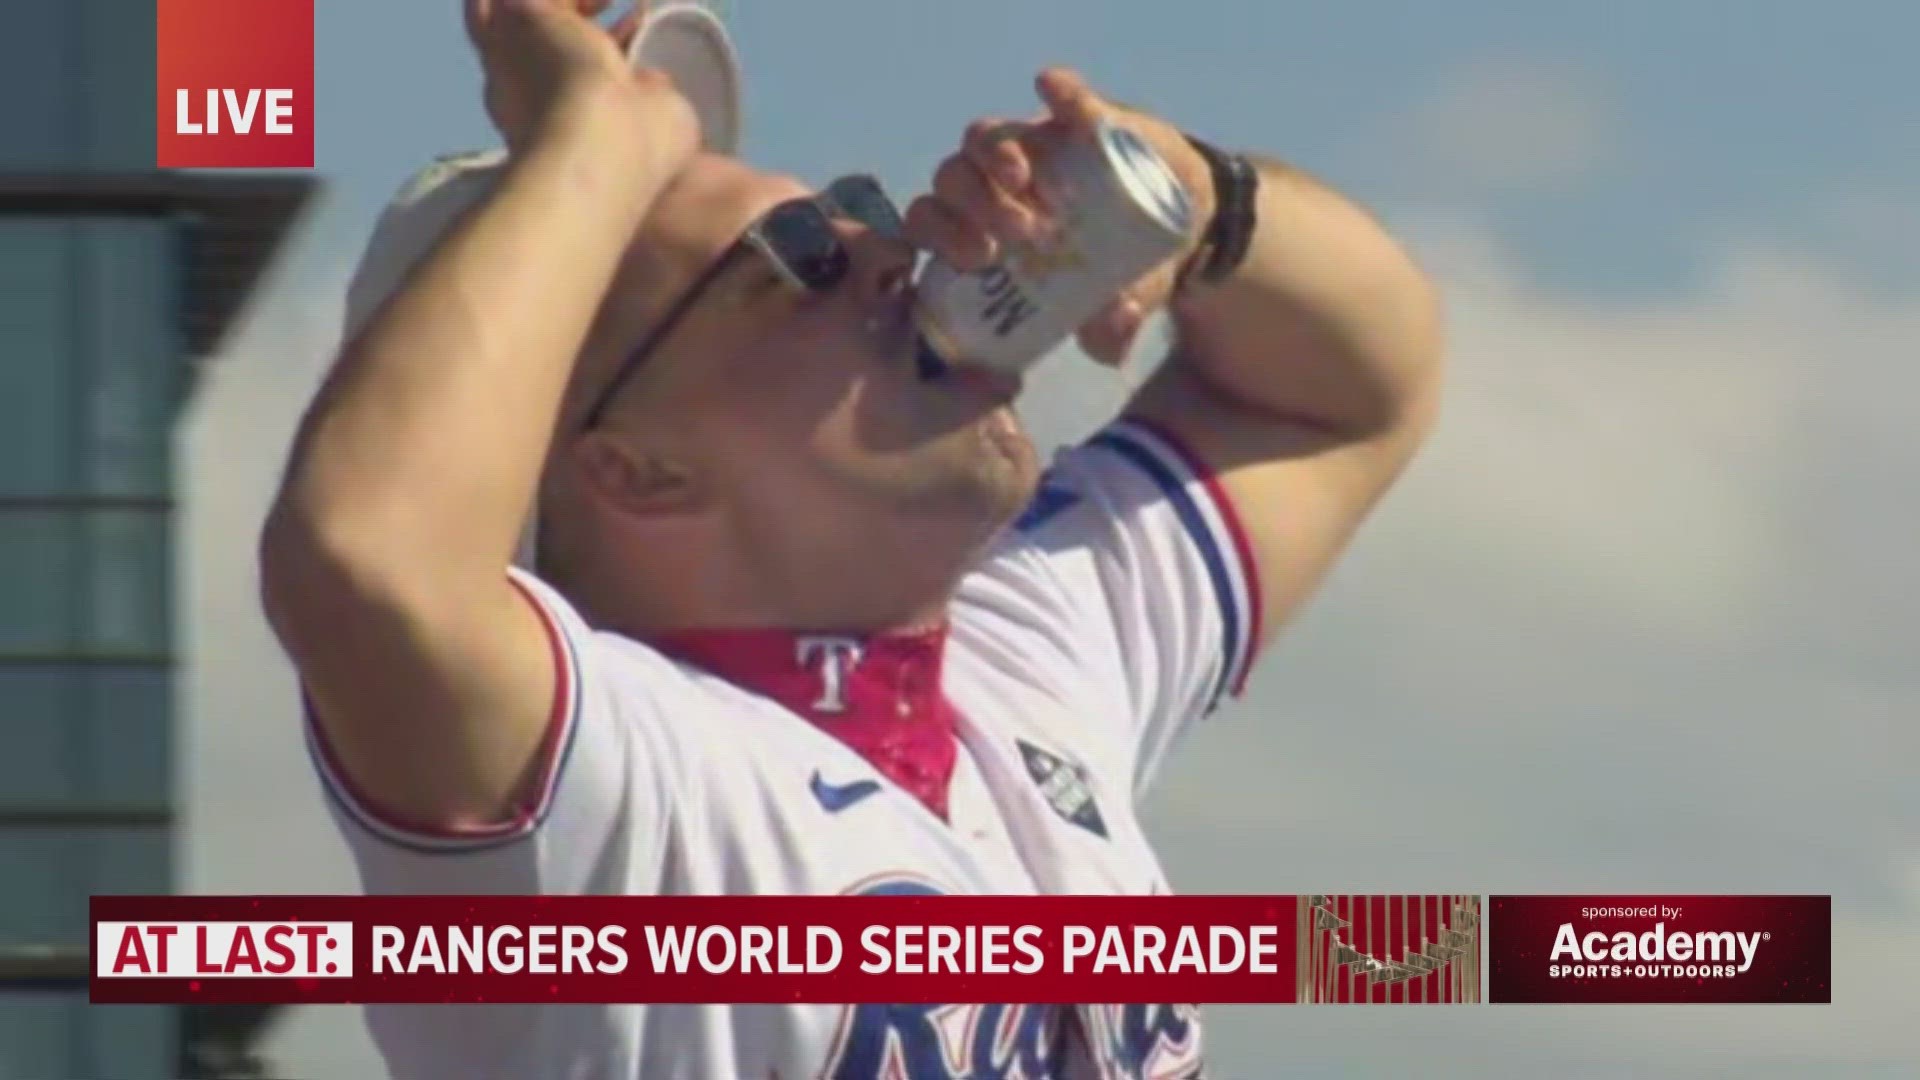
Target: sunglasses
(797,238)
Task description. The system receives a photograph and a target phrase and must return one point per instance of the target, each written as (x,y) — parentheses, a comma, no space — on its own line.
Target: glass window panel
(129,561)
(128,753)
(119,86)
(60,1035)
(37,373)
(51,872)
(38,704)
(131,1041)
(89,331)
(133,861)
(38,1033)
(86,732)
(38,126)
(133,360)
(92,580)
(38,556)
(45,901)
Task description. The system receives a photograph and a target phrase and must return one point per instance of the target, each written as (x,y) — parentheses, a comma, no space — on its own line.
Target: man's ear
(630,480)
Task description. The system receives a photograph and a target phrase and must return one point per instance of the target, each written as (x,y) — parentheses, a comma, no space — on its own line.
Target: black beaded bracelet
(1236,190)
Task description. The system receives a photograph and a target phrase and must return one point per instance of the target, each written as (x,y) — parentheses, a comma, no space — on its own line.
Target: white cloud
(1503,125)
(1619,451)
(1629,625)
(1641,620)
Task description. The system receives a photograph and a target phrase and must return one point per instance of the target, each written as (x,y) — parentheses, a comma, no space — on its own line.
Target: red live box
(235,84)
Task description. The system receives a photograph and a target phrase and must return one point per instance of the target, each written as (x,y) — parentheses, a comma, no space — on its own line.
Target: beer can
(1121,212)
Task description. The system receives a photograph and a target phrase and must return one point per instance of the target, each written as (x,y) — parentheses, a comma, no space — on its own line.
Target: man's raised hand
(543,58)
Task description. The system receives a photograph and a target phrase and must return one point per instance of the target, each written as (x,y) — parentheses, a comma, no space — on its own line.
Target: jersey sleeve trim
(556,749)
(1206,512)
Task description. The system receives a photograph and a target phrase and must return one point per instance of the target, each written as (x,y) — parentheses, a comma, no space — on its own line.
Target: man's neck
(882,695)
(877,593)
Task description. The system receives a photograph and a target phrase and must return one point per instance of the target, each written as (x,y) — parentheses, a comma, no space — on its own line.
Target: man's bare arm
(1306,380)
(383,561)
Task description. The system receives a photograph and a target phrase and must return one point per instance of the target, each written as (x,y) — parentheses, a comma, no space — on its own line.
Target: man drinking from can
(805,614)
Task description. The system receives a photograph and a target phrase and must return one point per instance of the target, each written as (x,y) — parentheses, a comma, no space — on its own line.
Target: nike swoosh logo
(837,797)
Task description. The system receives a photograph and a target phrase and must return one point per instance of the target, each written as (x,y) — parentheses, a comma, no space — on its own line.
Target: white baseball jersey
(1118,610)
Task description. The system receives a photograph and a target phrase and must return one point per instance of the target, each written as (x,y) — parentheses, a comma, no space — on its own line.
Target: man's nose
(882,265)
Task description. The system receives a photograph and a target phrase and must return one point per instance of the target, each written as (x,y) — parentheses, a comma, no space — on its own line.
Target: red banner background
(1792,963)
(849,916)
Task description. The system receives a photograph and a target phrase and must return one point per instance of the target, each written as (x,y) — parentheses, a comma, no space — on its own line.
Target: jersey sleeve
(594,819)
(1132,545)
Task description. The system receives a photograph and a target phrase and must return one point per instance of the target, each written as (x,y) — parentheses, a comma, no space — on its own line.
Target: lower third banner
(886,949)
(933,949)
(900,949)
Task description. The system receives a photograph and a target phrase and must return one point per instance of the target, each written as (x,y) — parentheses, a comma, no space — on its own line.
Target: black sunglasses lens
(802,238)
(865,201)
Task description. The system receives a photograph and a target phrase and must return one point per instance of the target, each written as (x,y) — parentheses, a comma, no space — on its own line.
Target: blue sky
(1640,619)
(1693,118)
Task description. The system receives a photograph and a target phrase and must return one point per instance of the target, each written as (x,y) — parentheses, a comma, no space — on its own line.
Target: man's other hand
(986,197)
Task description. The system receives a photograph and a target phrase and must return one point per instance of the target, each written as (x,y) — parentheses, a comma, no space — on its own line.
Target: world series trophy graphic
(1388,949)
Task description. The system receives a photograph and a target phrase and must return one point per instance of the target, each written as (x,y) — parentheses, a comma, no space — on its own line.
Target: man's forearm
(431,430)
(1327,321)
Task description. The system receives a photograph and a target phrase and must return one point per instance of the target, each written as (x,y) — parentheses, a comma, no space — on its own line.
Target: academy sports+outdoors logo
(1659,949)
(234,81)
(1696,955)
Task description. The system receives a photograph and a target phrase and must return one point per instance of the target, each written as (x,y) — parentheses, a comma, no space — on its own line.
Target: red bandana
(878,693)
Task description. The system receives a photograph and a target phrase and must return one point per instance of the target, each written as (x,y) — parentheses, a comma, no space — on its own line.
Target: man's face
(805,414)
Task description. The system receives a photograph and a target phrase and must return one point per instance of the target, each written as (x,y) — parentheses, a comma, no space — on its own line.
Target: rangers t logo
(836,655)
